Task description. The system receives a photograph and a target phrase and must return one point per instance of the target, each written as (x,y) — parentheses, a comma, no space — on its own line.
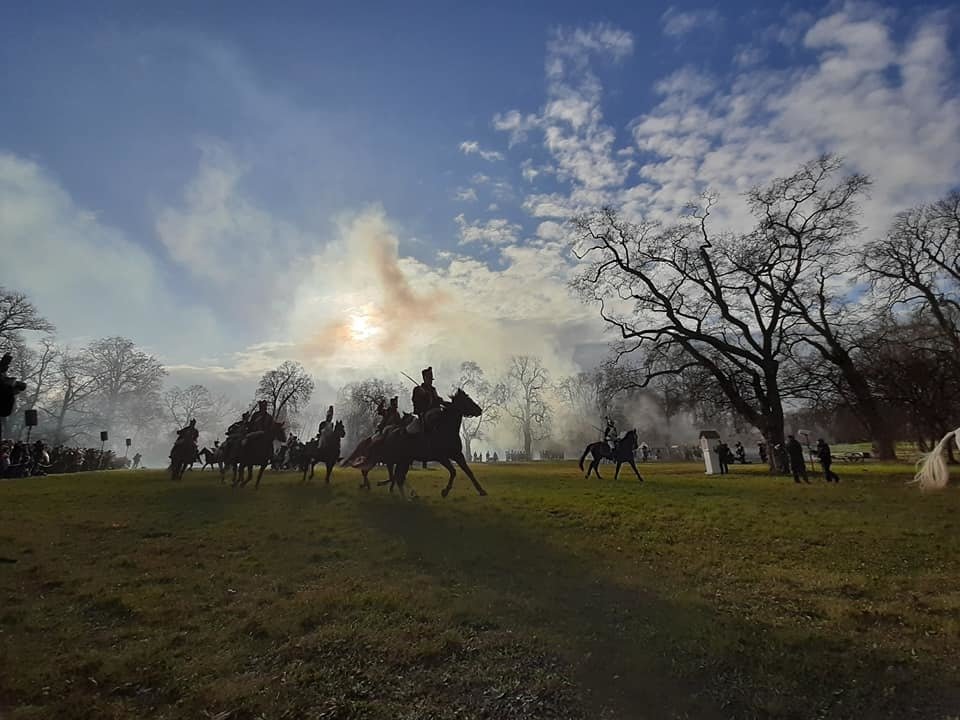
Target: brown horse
(625,448)
(441,444)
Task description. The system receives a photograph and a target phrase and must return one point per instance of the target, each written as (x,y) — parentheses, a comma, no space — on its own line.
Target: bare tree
(918,264)
(692,298)
(286,389)
(357,406)
(19,315)
(185,404)
(527,382)
(489,396)
(36,367)
(66,401)
(122,373)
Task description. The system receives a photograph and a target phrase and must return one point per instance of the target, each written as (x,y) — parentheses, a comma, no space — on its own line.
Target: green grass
(126,596)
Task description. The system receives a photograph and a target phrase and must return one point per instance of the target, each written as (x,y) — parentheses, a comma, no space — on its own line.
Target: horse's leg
(593,459)
(329,471)
(595,466)
(462,462)
(616,473)
(453,473)
(259,475)
(633,464)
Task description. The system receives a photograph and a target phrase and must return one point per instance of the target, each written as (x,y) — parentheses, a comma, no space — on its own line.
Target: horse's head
(464,404)
(338,429)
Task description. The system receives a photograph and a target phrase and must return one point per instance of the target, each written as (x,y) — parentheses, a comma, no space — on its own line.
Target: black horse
(625,448)
(257,449)
(210,457)
(441,444)
(325,450)
(182,456)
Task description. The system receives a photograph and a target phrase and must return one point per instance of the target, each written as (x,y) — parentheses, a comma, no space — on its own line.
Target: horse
(325,449)
(257,449)
(625,447)
(441,444)
(181,456)
(210,457)
(933,473)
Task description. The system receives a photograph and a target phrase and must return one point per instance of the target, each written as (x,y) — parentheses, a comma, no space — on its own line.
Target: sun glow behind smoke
(363,327)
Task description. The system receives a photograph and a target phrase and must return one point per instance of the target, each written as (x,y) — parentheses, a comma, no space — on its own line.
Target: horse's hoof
(483,493)
(444,492)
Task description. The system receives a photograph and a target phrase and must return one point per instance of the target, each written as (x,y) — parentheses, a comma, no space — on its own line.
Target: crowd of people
(21,459)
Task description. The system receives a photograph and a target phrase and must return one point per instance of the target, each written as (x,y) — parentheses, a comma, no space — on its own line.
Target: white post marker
(708,446)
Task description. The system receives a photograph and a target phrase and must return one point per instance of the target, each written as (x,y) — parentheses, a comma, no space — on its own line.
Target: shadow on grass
(643,655)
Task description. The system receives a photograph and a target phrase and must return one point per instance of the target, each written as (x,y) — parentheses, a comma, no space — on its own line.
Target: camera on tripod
(9,387)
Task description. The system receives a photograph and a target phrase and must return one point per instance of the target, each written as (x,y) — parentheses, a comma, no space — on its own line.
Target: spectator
(797,464)
(826,459)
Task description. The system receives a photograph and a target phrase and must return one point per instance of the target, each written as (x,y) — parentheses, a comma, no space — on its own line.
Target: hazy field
(125,595)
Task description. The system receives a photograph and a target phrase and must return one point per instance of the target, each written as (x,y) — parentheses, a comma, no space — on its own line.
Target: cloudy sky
(374,187)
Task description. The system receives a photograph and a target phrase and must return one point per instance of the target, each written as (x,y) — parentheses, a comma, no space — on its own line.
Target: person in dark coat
(797,464)
(826,459)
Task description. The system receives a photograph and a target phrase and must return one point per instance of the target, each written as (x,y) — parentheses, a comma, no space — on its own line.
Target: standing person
(797,464)
(762,448)
(722,456)
(826,459)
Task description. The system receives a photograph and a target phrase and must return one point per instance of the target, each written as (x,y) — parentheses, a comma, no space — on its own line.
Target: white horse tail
(933,473)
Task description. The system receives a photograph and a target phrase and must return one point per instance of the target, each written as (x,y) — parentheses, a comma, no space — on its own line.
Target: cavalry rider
(261,419)
(426,401)
(389,415)
(186,435)
(610,434)
(326,425)
(239,428)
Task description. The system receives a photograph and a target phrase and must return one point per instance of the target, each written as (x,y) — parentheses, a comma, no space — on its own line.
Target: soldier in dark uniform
(826,460)
(186,435)
(389,415)
(239,427)
(797,463)
(261,419)
(426,401)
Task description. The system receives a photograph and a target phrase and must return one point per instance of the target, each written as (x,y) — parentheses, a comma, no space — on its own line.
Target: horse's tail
(584,456)
(933,473)
(353,456)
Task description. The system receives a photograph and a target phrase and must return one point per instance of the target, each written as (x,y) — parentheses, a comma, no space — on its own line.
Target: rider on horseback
(326,425)
(261,420)
(239,427)
(389,415)
(426,404)
(610,434)
(185,436)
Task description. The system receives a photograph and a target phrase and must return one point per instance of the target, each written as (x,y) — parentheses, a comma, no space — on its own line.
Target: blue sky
(214,178)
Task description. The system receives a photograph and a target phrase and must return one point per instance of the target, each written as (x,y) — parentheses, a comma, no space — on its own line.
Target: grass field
(127,596)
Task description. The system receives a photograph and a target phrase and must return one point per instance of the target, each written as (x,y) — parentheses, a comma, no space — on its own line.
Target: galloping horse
(257,449)
(933,473)
(210,457)
(182,455)
(325,450)
(625,447)
(400,449)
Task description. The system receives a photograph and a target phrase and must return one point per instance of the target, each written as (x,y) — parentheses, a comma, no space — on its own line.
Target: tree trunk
(527,441)
(467,451)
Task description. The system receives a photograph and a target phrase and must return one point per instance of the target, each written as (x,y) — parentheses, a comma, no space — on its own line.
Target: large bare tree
(918,264)
(489,396)
(287,389)
(19,315)
(67,406)
(527,382)
(123,374)
(185,404)
(357,405)
(690,297)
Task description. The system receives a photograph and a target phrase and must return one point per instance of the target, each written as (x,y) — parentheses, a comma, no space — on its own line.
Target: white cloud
(472,147)
(466,194)
(90,279)
(677,23)
(496,231)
